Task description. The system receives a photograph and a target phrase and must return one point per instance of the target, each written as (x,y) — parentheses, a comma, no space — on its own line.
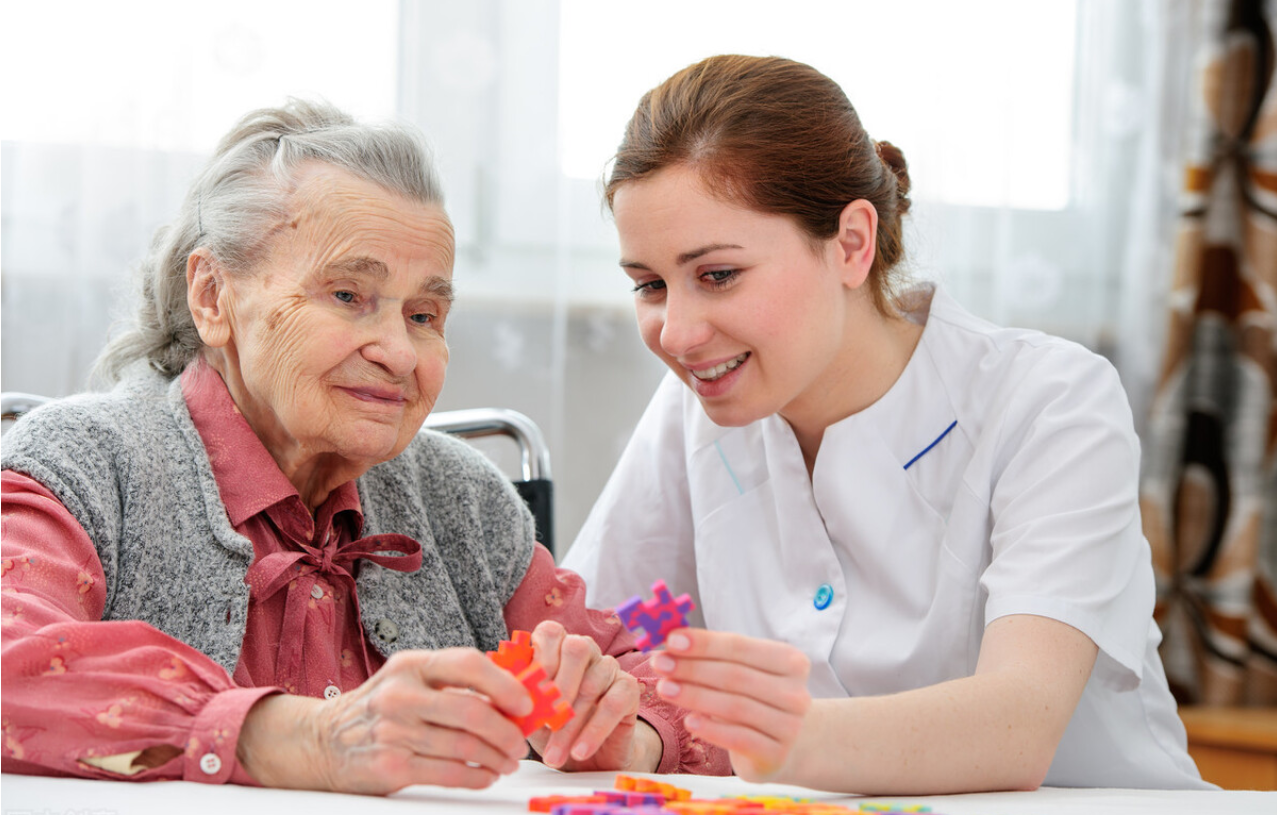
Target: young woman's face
(738,303)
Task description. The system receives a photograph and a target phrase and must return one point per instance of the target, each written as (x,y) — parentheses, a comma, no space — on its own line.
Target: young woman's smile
(740,304)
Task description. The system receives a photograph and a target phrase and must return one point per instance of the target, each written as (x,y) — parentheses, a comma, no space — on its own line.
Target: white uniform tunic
(997,476)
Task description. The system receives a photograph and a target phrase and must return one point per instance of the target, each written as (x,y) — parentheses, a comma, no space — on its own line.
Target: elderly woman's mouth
(390,397)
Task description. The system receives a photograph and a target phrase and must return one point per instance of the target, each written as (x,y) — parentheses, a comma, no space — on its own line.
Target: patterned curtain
(1209,491)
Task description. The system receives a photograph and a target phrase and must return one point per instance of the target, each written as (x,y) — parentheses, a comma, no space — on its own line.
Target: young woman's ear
(856,242)
(206,297)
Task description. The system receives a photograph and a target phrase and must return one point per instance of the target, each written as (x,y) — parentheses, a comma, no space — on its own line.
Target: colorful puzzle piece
(631,799)
(587,809)
(548,803)
(631,783)
(657,617)
(548,709)
(637,796)
(514,654)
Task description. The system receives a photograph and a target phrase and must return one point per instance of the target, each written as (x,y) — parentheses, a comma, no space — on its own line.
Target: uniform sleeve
(1067,541)
(547,593)
(640,529)
(84,697)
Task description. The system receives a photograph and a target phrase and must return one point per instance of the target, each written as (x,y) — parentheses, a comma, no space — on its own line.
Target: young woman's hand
(746,695)
(604,733)
(427,717)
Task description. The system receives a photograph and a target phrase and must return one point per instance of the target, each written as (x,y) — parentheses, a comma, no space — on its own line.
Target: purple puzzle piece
(657,617)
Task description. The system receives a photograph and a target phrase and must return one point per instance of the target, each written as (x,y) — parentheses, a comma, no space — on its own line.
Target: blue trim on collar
(723,456)
(927,449)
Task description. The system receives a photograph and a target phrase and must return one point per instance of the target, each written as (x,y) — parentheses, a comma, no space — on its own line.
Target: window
(979,80)
(175,76)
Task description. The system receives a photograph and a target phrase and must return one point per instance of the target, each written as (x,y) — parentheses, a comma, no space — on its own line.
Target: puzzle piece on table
(631,799)
(548,709)
(634,784)
(657,617)
(572,808)
(576,808)
(514,654)
(548,803)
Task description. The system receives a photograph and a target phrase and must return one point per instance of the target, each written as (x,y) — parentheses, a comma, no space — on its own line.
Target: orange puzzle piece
(514,654)
(548,709)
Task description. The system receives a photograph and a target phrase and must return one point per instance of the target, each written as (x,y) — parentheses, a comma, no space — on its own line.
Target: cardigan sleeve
(549,593)
(96,699)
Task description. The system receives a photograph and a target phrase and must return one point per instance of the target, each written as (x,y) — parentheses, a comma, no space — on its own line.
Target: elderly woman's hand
(605,733)
(427,717)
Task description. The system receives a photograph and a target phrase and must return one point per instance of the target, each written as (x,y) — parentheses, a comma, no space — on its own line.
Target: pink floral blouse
(120,699)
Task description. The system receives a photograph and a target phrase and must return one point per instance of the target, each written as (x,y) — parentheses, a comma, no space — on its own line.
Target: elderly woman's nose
(390,346)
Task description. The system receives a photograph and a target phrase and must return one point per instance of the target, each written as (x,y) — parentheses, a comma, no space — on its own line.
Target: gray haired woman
(244,563)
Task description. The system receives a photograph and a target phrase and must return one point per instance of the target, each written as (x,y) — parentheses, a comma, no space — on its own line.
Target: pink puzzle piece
(657,617)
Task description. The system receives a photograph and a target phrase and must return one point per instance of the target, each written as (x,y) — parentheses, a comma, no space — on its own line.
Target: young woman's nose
(686,325)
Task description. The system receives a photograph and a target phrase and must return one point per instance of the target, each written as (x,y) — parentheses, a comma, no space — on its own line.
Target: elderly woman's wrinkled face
(336,348)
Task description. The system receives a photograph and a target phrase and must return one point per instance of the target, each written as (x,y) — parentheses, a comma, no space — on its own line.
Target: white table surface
(28,795)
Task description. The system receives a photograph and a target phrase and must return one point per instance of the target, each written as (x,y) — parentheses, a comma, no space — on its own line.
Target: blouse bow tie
(298,571)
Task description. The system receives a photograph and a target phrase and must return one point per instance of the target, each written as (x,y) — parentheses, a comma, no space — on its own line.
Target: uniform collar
(917,411)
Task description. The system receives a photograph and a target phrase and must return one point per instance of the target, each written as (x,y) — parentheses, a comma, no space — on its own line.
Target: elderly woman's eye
(424,318)
(345,296)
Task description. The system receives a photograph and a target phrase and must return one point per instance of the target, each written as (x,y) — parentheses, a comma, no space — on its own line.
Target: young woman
(914,536)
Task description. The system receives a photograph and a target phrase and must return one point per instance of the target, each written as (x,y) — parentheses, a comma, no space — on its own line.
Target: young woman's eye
(720,277)
(649,287)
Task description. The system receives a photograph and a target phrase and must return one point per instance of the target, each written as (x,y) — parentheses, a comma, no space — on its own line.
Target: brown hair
(776,136)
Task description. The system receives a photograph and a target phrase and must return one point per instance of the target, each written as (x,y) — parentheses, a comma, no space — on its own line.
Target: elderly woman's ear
(207,297)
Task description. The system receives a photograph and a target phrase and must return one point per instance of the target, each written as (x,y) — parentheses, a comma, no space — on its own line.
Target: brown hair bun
(894,159)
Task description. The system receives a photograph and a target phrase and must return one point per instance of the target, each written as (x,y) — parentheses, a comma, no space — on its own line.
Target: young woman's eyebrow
(685,257)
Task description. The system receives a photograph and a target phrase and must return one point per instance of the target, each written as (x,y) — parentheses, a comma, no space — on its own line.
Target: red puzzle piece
(514,654)
(548,709)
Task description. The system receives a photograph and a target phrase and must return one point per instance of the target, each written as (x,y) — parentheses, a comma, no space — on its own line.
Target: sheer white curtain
(1032,131)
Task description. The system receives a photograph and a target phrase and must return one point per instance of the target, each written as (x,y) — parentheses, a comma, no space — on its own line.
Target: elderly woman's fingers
(567,657)
(424,712)
(453,743)
(443,773)
(614,709)
(463,668)
(606,707)
(457,688)
(569,661)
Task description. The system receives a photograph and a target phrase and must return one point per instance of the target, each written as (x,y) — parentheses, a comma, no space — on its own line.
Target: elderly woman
(244,563)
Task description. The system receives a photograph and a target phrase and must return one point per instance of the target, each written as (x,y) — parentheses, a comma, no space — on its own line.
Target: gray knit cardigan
(130,466)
